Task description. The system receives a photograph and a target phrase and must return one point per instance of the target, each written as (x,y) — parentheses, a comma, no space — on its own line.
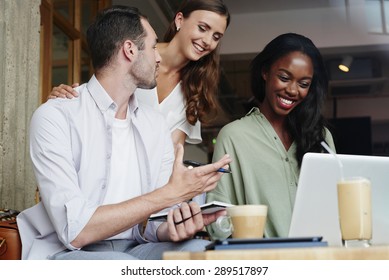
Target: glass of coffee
(247,221)
(354,204)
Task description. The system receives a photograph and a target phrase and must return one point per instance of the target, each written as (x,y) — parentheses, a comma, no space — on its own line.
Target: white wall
(327,27)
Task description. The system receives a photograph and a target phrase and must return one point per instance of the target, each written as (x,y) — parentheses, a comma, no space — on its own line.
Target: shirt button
(275,138)
(286,159)
(103,186)
(108,156)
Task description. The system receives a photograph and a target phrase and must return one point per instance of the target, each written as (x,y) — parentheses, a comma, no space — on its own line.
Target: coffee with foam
(248,221)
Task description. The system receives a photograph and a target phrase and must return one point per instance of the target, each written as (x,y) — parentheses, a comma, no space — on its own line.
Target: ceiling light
(346,63)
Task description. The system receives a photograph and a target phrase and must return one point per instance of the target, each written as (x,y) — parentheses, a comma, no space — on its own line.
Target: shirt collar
(104,101)
(254,110)
(133,104)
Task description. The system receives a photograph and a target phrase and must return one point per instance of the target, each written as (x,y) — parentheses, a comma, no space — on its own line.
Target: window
(64,54)
(377,16)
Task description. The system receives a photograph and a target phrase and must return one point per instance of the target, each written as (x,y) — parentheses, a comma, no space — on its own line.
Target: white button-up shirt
(71,146)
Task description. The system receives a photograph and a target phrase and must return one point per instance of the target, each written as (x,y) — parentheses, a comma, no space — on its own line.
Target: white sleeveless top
(173,109)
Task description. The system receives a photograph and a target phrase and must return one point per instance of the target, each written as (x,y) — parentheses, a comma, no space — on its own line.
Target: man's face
(145,68)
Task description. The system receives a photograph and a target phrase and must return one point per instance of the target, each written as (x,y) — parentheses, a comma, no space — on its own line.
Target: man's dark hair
(111,28)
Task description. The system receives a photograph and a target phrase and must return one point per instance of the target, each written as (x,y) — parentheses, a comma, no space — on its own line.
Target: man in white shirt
(104,164)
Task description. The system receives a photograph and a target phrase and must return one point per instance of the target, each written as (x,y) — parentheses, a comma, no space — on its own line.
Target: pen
(184,220)
(196,164)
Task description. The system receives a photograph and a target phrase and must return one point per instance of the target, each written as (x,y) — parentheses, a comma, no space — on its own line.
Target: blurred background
(356,32)
(42,44)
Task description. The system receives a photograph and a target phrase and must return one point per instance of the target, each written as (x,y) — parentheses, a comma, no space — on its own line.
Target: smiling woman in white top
(186,92)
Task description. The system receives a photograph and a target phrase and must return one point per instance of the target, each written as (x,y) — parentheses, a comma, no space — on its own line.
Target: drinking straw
(324,144)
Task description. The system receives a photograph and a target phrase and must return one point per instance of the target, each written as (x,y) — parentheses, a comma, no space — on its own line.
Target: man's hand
(184,222)
(185,183)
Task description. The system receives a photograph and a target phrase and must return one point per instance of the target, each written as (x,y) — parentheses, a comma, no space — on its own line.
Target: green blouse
(263,172)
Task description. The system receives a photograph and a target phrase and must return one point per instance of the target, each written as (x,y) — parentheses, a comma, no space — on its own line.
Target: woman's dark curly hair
(200,79)
(305,123)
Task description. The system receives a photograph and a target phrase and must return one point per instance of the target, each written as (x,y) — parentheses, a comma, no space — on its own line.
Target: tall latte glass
(248,221)
(354,202)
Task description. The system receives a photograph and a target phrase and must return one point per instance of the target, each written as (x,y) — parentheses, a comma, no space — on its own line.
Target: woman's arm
(178,137)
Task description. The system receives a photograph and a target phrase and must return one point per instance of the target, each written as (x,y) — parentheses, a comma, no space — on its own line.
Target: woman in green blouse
(288,79)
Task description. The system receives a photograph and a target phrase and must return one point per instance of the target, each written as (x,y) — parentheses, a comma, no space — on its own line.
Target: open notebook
(316,206)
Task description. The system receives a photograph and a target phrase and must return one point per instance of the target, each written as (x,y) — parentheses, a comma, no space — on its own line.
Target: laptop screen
(315,211)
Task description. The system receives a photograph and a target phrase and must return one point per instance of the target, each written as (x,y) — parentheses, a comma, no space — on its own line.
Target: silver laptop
(315,211)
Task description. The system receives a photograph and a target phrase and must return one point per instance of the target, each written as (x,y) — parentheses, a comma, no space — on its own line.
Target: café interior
(352,32)
(357,100)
